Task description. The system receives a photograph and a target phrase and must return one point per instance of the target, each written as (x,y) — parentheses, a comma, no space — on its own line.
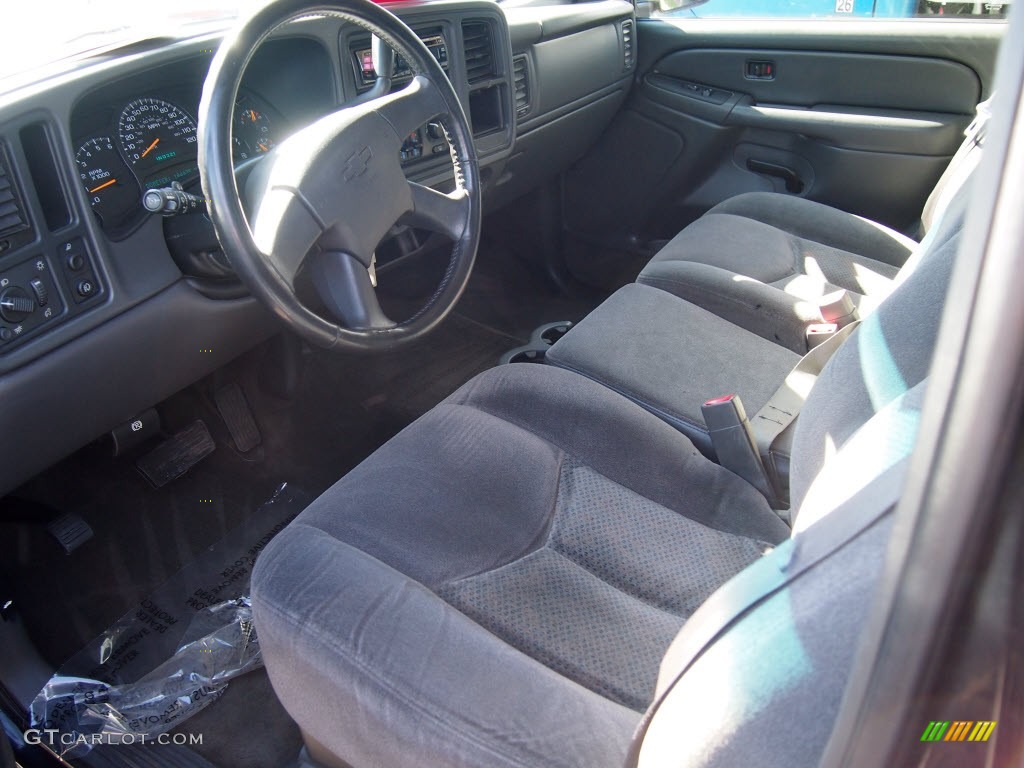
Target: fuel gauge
(111,186)
(252,131)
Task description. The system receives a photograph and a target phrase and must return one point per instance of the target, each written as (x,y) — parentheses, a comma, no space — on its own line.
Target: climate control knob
(15,305)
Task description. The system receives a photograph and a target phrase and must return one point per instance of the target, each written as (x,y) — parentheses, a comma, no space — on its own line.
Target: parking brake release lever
(734,443)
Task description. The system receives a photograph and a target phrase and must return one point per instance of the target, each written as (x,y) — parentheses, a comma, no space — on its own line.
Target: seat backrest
(960,167)
(757,674)
(770,682)
(888,354)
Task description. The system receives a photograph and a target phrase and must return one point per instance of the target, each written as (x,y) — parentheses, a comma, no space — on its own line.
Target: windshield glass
(37,33)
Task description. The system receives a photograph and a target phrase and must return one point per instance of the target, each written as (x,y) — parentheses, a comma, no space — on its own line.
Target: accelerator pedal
(235,410)
(177,455)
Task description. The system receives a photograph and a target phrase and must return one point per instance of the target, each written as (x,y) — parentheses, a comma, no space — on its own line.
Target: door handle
(793,181)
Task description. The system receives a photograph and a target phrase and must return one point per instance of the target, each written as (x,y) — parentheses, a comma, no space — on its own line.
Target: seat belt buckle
(837,307)
(819,333)
(734,442)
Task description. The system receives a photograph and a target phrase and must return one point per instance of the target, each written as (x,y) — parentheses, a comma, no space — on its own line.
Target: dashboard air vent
(520,65)
(476,39)
(628,46)
(12,215)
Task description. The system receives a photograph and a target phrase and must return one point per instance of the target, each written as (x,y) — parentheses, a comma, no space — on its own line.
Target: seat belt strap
(765,577)
(784,406)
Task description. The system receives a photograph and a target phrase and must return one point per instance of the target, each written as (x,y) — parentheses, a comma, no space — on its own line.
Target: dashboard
(107,309)
(152,143)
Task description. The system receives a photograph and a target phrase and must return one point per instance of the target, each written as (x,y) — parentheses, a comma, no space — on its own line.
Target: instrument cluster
(152,143)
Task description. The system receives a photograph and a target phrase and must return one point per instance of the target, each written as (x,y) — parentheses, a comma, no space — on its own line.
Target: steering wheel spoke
(438,212)
(415,105)
(346,288)
(284,230)
(323,198)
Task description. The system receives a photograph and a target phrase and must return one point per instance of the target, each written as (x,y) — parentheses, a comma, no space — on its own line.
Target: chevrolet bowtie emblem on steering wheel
(357,164)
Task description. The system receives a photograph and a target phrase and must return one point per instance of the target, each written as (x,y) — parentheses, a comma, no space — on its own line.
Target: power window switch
(760,70)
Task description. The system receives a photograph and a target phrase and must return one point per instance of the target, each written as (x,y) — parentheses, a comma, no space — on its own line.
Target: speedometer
(159,141)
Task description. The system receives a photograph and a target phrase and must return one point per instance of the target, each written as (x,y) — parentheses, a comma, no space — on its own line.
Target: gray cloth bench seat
(524,572)
(670,355)
(504,582)
(764,260)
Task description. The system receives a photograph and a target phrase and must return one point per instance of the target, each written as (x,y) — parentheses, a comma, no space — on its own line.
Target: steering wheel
(324,198)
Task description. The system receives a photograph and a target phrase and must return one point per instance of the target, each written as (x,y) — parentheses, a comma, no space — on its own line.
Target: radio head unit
(364,60)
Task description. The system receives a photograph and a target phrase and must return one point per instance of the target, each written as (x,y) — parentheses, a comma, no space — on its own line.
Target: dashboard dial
(113,191)
(159,141)
(253,134)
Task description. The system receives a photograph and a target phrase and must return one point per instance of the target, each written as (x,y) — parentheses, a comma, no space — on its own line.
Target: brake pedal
(177,455)
(235,410)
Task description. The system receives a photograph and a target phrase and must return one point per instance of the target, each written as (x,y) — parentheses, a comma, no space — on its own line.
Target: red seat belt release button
(819,333)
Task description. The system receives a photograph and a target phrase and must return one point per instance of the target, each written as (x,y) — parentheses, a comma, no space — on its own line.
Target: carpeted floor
(506,295)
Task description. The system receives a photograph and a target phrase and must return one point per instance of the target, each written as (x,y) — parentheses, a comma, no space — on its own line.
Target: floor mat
(174,654)
(248,727)
(151,633)
(510,297)
(144,535)
(399,388)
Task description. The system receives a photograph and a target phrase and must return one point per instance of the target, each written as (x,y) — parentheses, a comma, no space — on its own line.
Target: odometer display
(159,140)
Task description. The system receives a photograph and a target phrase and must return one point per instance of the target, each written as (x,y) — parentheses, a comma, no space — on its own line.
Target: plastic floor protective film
(174,654)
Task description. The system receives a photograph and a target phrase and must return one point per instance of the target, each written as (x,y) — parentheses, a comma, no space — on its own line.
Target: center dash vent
(12,214)
(476,39)
(628,48)
(521,75)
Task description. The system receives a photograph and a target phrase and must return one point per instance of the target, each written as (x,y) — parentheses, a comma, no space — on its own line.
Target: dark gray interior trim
(530,25)
(923,133)
(63,400)
(971,43)
(811,77)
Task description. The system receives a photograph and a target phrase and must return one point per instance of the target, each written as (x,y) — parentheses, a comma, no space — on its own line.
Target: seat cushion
(804,268)
(814,222)
(498,583)
(670,356)
(765,260)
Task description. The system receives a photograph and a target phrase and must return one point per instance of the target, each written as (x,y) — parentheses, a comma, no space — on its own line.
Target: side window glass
(831,9)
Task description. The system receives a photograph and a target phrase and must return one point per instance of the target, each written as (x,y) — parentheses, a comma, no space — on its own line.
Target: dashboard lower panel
(120,329)
(140,357)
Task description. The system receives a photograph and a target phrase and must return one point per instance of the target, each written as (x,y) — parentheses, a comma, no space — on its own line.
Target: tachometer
(159,140)
(113,191)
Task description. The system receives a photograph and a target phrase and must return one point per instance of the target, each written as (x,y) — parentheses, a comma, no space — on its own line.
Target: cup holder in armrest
(523,355)
(540,342)
(552,332)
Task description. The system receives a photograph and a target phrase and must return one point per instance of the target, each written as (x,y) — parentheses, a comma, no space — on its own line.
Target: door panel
(813,77)
(864,121)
